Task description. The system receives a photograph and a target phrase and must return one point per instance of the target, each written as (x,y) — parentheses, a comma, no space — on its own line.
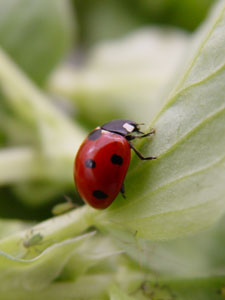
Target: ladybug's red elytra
(103,159)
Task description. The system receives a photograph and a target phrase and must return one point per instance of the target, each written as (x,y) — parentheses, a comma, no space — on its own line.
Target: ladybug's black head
(122,127)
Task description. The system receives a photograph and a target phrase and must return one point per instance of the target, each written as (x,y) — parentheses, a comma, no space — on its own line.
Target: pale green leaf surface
(41,274)
(54,230)
(40,271)
(46,256)
(193,256)
(183,190)
(96,255)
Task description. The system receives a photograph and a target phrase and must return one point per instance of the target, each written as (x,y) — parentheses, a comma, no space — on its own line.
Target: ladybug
(103,159)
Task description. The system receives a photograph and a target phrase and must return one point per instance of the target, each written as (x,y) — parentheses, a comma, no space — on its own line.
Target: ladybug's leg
(140,155)
(132,137)
(122,191)
(146,134)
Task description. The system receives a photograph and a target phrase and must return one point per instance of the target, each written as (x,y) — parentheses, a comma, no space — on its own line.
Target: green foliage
(165,241)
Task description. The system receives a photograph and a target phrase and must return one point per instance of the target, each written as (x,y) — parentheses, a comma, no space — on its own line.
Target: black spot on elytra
(99,194)
(90,163)
(117,159)
(94,135)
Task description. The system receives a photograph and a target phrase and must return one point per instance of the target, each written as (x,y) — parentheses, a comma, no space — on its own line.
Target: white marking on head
(128,127)
(104,131)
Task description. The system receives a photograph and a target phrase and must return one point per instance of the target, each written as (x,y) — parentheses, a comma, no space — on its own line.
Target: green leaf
(40,271)
(182,192)
(47,233)
(97,255)
(23,276)
(52,259)
(195,256)
(36,34)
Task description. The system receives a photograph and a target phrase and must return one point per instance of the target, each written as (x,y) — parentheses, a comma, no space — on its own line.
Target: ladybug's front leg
(132,137)
(140,155)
